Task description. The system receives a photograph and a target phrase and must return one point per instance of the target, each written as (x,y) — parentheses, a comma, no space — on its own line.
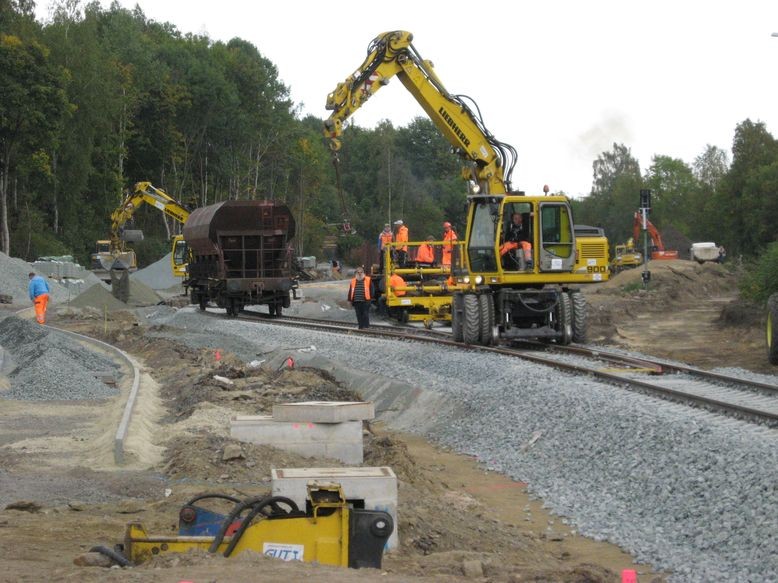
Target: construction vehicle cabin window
(480,248)
(556,229)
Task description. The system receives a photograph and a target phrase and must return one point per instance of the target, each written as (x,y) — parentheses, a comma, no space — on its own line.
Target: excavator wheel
(457,316)
(486,314)
(564,312)
(471,328)
(772,329)
(580,319)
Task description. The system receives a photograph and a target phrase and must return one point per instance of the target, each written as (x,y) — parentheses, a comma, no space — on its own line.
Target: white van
(702,252)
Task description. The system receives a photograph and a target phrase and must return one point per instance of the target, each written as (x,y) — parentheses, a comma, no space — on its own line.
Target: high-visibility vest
(425,254)
(354,283)
(449,236)
(402,237)
(397,281)
(386,238)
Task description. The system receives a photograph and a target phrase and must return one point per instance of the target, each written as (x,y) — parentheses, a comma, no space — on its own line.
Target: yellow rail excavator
(508,283)
(114,253)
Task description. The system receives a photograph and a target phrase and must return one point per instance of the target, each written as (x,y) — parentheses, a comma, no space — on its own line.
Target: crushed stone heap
(101,298)
(158,275)
(49,365)
(14,280)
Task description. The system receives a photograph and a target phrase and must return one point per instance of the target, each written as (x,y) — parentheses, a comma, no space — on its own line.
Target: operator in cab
(516,237)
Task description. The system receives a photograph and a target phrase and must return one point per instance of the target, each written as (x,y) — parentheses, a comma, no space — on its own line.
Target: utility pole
(645,207)
(389,182)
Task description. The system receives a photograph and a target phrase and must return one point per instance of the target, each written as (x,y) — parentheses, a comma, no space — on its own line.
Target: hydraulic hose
(116,557)
(259,509)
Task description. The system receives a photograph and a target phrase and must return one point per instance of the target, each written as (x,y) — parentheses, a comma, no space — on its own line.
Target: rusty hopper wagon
(241,254)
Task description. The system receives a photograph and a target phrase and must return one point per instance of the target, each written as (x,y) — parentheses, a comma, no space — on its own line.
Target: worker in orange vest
(360,297)
(396,282)
(384,238)
(449,236)
(425,256)
(401,236)
(516,237)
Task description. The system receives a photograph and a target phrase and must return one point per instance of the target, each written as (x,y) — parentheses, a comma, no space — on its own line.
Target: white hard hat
(398,222)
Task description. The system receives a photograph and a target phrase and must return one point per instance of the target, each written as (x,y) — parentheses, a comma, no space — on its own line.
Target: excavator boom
(658,251)
(143,193)
(488,162)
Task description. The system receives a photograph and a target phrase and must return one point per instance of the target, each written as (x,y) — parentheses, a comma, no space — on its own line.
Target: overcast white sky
(559,80)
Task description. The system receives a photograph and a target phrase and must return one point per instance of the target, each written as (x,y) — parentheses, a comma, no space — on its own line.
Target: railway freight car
(241,254)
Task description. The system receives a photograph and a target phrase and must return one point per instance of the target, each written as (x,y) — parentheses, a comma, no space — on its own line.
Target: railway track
(727,394)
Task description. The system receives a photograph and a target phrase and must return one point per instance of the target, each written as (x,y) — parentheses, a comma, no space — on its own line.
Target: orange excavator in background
(658,250)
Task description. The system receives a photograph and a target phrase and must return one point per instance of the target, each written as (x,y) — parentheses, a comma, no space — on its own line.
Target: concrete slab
(340,441)
(324,411)
(373,488)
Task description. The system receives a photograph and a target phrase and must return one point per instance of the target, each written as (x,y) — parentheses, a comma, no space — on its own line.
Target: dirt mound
(254,391)
(201,457)
(678,279)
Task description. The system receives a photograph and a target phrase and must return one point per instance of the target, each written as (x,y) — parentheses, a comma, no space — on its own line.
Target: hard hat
(398,222)
(387,225)
(446,224)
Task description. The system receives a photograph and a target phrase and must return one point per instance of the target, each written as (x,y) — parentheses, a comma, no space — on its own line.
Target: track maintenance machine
(109,252)
(503,288)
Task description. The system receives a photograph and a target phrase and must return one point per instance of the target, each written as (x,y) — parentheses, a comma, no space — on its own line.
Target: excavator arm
(488,162)
(145,193)
(656,238)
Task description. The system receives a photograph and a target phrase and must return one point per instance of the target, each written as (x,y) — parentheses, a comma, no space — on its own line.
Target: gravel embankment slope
(682,489)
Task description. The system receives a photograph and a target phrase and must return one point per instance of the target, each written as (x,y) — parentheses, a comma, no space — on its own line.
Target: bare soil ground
(453,514)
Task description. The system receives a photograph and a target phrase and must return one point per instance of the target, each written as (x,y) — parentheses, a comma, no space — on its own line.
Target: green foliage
(151,249)
(32,237)
(92,102)
(761,279)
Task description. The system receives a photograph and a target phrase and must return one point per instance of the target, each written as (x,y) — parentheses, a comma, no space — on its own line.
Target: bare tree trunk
(5,235)
(56,189)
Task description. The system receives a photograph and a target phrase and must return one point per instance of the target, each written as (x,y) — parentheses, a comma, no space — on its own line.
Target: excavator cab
(180,256)
(548,246)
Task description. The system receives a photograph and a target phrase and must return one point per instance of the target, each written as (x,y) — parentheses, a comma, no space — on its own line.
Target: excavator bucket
(131,235)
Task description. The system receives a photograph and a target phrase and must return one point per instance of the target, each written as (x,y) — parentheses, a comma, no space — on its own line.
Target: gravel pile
(14,279)
(100,297)
(51,365)
(158,275)
(685,490)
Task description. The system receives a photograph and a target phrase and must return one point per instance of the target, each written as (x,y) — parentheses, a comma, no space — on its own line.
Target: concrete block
(324,411)
(370,488)
(340,441)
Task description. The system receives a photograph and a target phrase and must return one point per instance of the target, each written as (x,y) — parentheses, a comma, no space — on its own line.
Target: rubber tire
(486,313)
(471,329)
(405,316)
(772,329)
(564,312)
(457,316)
(271,310)
(580,317)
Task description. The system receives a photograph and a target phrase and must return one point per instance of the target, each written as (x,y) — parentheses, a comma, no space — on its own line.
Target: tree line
(97,99)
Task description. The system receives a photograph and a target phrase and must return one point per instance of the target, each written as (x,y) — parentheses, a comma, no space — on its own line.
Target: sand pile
(49,365)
